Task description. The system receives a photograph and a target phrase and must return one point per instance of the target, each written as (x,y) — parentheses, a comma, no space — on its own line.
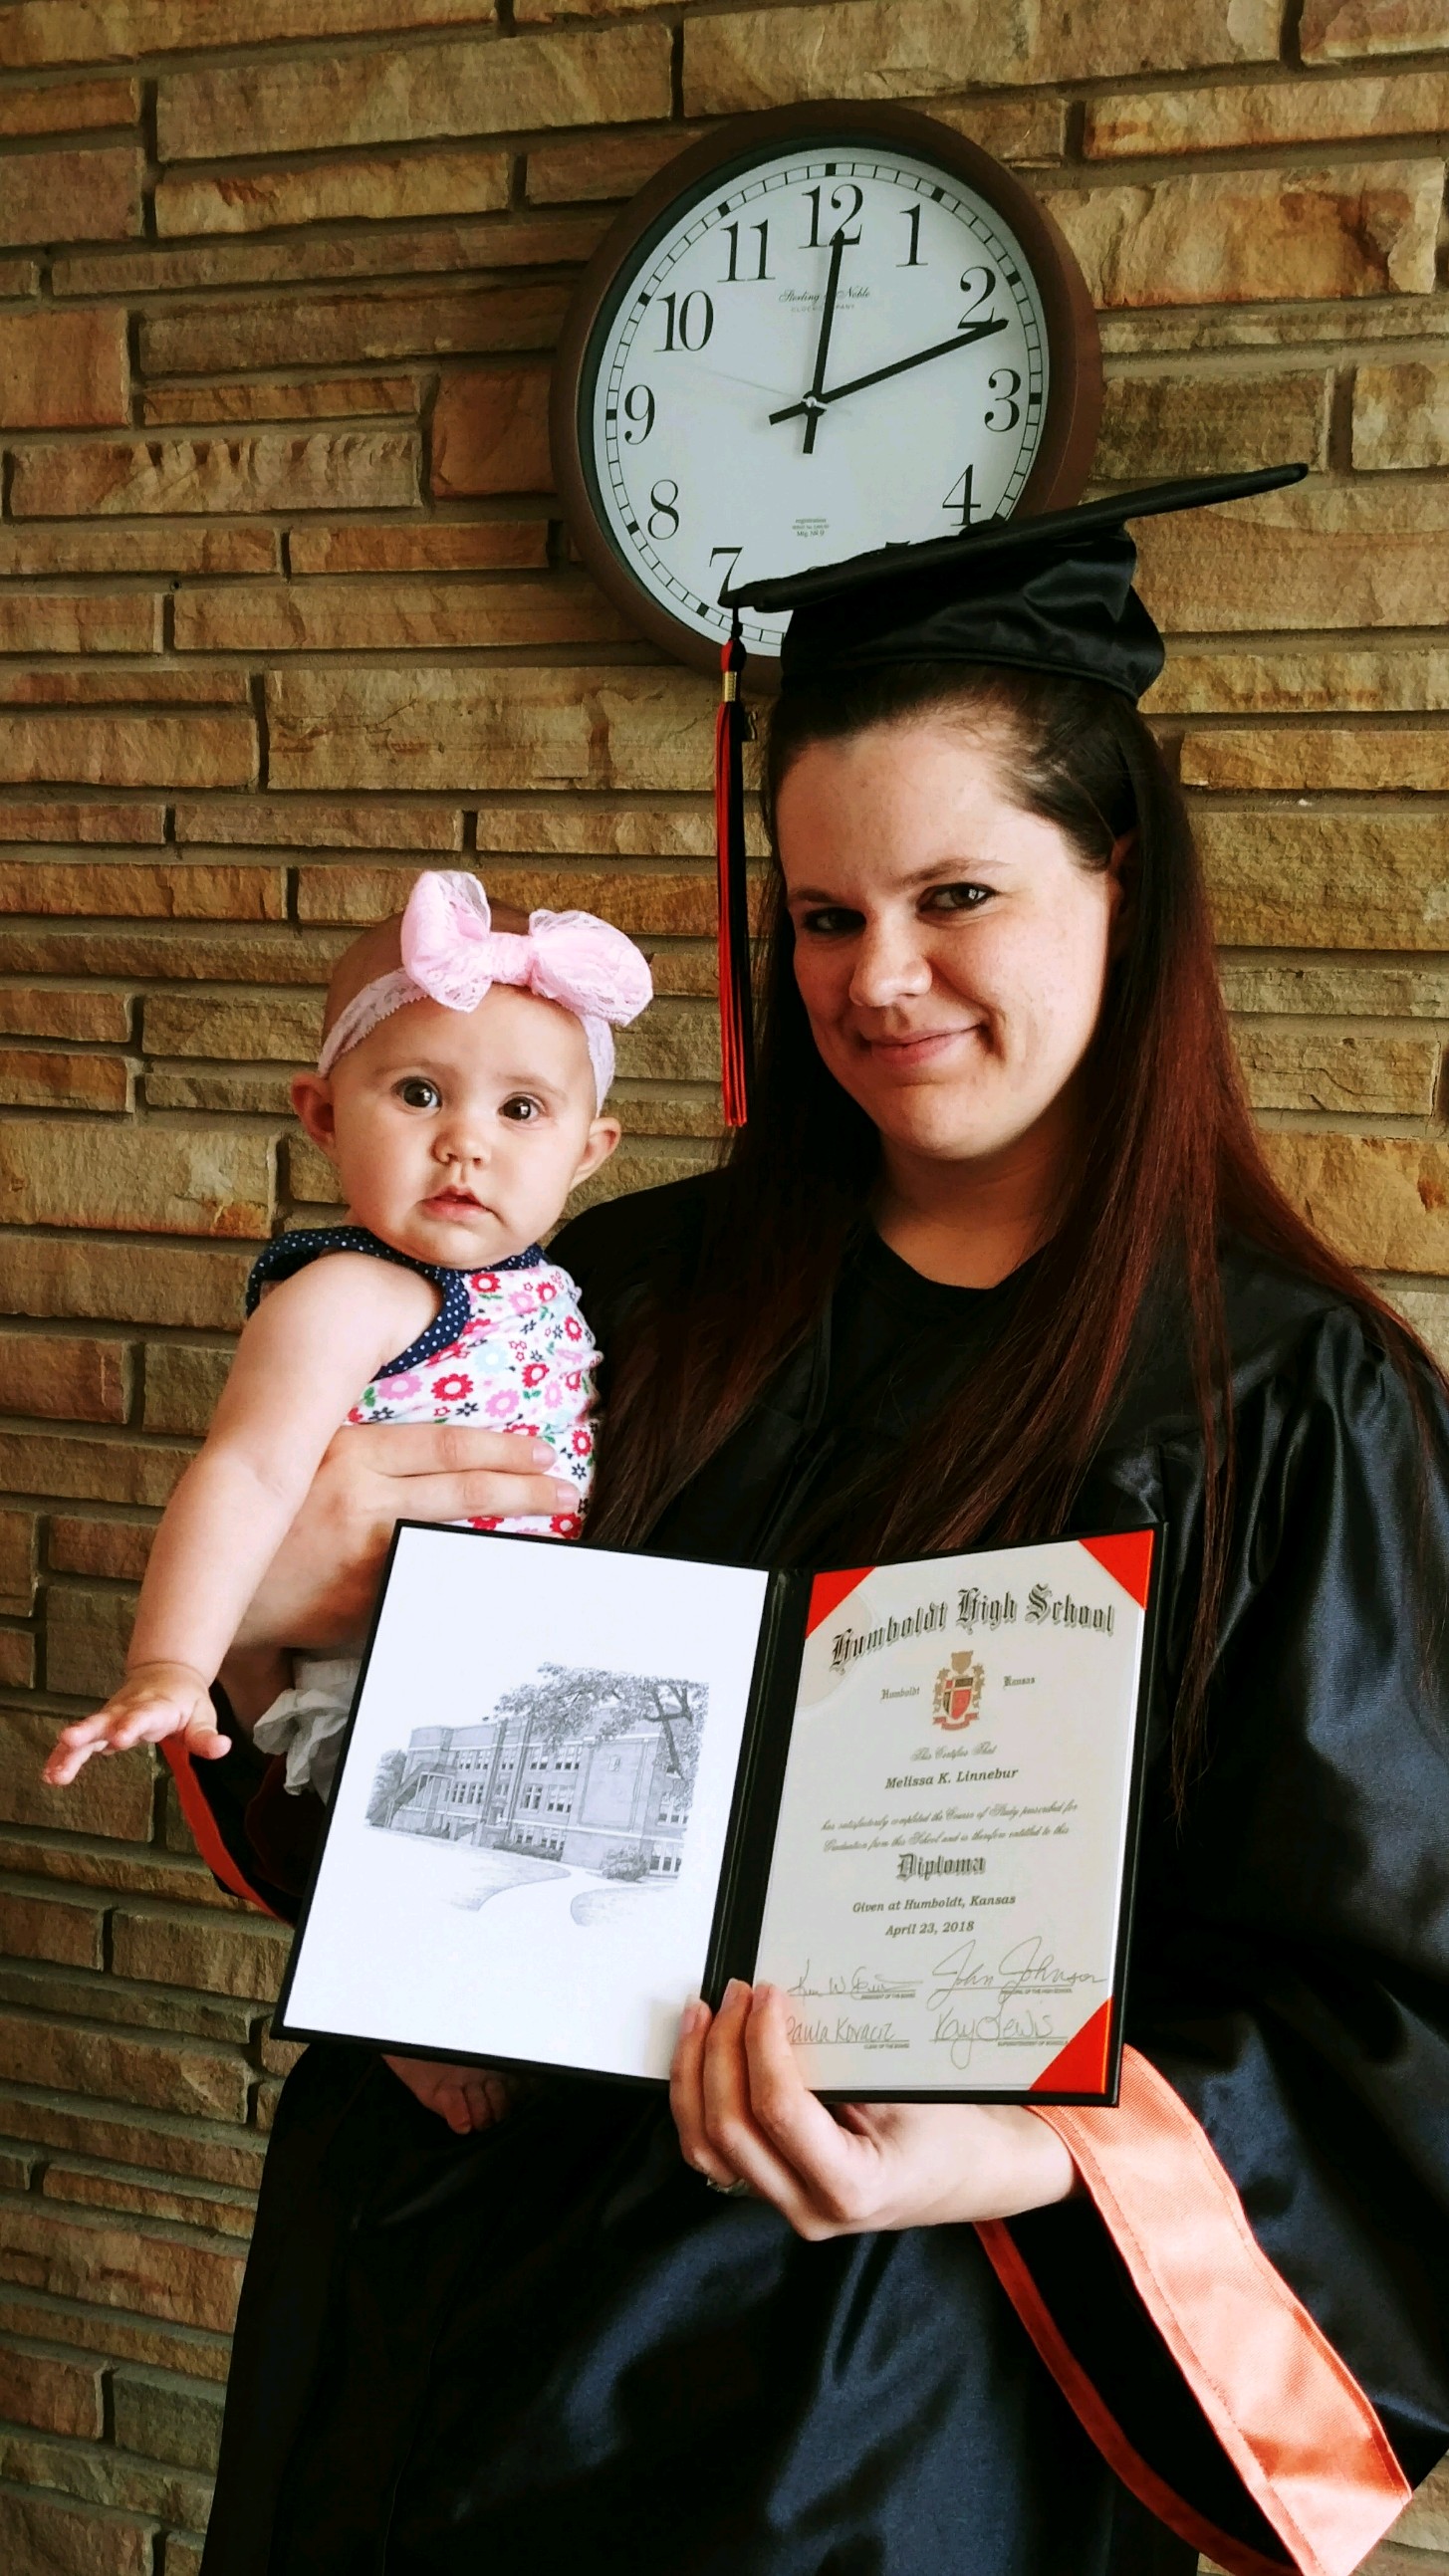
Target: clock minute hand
(813,402)
(837,393)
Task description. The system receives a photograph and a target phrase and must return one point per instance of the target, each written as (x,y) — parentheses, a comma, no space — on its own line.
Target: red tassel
(736,1015)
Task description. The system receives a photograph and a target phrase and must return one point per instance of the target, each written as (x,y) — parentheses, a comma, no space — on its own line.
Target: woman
(998,1255)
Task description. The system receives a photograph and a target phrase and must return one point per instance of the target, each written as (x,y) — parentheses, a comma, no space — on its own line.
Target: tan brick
(649,831)
(371,825)
(200,2152)
(63,370)
(1324,680)
(615,76)
(307,398)
(1029,130)
(234,954)
(166,2418)
(1383,1200)
(310,1177)
(102,1471)
(115,1548)
(490,433)
(377,187)
(53,1011)
(118,1869)
(1365,1075)
(1372,557)
(1158,425)
(1401,414)
(53,2538)
(543,13)
(348,328)
(642,1167)
(112,1798)
(1367,228)
(58,1928)
(68,107)
(17,1658)
(195,1285)
(54,2390)
(637,903)
(116,550)
(46,1078)
(171,2273)
(1335,30)
(130,751)
(1291,880)
(92,822)
(143,890)
(111,2334)
(241,1959)
(86,1636)
(157,1180)
(375,727)
(82,2188)
(351,470)
(17,1558)
(1383,759)
(1332,987)
(90,195)
(651,1112)
(1201,330)
(182,1386)
(902,49)
(258,1094)
(391,616)
(65,1377)
(492,545)
(317,256)
(87,622)
(1268,112)
(64,684)
(46,32)
(673,1042)
(589,166)
(1425,2523)
(285,1027)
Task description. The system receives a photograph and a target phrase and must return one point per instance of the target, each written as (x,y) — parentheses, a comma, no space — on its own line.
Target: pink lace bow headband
(452,954)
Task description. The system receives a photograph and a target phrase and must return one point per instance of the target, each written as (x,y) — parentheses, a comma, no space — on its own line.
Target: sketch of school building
(611,1803)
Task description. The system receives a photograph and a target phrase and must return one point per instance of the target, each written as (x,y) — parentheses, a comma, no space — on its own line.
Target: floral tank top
(508,1350)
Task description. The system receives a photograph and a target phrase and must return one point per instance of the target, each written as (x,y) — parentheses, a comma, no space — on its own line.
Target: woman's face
(951,950)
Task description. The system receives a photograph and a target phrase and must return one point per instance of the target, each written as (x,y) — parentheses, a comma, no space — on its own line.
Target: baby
(460,1094)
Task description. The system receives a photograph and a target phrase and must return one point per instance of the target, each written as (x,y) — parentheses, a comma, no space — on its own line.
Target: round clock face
(820,350)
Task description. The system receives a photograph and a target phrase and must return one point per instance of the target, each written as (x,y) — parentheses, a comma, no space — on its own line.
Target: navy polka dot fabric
(293,1252)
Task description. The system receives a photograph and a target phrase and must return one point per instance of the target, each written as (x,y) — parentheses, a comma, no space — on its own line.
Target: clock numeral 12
(732,275)
(694,325)
(961,497)
(840,233)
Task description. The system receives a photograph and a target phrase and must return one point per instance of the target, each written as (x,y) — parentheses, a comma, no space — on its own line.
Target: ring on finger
(739,2189)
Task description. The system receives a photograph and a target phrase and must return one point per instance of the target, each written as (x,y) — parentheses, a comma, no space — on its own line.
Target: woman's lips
(921,1047)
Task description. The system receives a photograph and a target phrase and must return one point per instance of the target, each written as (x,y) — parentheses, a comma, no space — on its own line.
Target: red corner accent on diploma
(829,1590)
(204,1831)
(1127,1558)
(1081,2067)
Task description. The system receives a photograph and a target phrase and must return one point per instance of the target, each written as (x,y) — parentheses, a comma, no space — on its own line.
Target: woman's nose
(890,965)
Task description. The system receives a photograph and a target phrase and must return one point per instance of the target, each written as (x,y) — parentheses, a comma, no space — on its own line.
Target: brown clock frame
(1074,352)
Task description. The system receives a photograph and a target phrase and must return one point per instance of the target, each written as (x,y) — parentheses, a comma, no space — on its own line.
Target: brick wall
(288,609)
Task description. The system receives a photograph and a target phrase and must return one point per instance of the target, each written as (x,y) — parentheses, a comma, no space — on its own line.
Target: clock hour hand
(816,399)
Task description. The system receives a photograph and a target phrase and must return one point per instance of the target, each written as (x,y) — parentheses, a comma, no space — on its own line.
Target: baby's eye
(416,1092)
(521,1108)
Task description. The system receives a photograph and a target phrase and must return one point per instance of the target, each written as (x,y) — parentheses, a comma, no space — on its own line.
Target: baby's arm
(301,1363)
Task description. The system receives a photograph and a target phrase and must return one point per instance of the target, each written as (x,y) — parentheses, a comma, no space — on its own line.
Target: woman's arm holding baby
(301,1363)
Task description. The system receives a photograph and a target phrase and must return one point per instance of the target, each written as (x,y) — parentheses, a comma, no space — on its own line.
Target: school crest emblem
(957,1696)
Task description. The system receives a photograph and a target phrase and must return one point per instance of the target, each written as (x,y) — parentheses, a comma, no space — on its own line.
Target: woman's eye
(955,898)
(521,1109)
(415,1093)
(830,921)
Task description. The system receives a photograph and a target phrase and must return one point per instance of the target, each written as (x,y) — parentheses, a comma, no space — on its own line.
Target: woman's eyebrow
(935,872)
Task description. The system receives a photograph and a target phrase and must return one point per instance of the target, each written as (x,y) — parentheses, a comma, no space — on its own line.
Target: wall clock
(823,329)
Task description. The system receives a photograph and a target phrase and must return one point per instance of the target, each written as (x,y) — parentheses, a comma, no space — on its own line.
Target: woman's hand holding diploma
(745,2114)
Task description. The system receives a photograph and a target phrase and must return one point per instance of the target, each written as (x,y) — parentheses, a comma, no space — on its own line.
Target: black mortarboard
(1051,593)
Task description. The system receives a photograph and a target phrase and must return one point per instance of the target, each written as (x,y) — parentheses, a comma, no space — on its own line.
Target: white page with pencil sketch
(530,1819)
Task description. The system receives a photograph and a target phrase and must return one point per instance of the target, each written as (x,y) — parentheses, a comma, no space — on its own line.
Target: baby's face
(458,1135)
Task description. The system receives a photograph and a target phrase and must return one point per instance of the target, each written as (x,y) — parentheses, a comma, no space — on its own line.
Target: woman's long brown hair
(1171,1164)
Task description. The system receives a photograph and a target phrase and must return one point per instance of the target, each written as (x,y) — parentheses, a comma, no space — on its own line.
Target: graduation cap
(1051,593)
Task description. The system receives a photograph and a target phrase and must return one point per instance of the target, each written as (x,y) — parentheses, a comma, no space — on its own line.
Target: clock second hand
(816,399)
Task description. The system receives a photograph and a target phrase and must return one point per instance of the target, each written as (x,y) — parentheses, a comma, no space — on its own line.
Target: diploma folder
(578,1788)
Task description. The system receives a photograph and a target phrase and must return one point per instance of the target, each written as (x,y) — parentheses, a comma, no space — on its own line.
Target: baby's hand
(467,2097)
(154,1701)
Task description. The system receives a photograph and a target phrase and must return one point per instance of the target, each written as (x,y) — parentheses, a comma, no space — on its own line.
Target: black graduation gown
(551,2346)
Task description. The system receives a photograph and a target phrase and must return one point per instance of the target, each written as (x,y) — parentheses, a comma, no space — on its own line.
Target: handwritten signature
(863,1985)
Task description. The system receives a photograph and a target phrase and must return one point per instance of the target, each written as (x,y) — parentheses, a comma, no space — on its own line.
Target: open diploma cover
(579,1788)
